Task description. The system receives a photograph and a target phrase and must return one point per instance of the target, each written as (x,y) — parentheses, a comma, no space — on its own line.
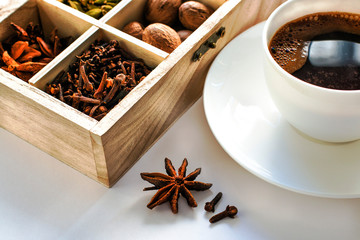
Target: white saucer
(249,127)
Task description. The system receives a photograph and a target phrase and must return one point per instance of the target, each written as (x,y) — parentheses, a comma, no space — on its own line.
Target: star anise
(172,185)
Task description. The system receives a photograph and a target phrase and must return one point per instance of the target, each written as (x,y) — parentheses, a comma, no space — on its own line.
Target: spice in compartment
(93,8)
(99,78)
(168,22)
(27,52)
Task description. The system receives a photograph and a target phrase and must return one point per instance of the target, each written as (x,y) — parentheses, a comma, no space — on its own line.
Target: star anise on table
(172,185)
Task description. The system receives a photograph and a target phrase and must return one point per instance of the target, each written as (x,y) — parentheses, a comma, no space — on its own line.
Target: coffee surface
(291,45)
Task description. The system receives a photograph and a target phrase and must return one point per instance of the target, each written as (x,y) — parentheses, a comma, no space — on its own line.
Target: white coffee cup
(326,114)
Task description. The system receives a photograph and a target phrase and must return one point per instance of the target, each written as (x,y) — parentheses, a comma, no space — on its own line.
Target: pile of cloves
(100,77)
(26,53)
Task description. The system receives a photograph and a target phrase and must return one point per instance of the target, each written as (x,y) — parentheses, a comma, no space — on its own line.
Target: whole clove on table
(230,212)
(210,206)
(26,53)
(100,77)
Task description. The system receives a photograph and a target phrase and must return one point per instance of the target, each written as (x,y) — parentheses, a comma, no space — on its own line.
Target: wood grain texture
(38,118)
(248,14)
(131,11)
(7,7)
(26,12)
(47,124)
(105,150)
(141,118)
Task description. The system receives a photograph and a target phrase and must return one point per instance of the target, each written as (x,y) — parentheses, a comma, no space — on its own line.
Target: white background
(42,198)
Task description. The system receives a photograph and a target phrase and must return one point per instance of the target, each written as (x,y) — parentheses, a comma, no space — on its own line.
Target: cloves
(100,77)
(87,85)
(210,206)
(117,81)
(230,211)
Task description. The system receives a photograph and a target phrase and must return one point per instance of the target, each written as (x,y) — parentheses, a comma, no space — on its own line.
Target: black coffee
(322,49)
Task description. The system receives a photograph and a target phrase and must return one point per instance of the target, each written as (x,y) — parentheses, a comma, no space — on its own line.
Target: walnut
(161,36)
(134,29)
(162,11)
(192,14)
(184,34)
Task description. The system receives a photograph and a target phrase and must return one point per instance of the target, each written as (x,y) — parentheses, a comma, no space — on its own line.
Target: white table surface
(42,198)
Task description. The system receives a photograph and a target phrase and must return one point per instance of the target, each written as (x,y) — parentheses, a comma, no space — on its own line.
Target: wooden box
(104,150)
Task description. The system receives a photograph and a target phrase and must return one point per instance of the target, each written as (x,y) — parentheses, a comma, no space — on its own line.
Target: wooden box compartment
(104,150)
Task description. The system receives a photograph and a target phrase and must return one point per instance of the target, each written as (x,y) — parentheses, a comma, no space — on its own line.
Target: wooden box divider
(104,150)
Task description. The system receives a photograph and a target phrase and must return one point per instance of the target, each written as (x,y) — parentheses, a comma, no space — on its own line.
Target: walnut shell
(162,11)
(184,34)
(134,29)
(161,36)
(192,14)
